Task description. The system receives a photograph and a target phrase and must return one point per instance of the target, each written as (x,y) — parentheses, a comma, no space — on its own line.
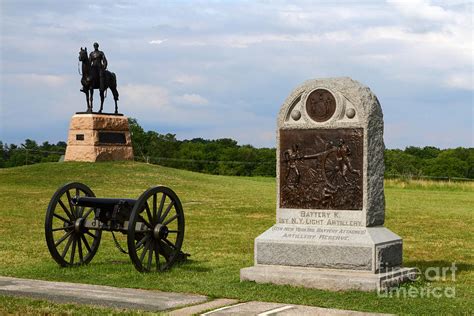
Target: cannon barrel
(88,201)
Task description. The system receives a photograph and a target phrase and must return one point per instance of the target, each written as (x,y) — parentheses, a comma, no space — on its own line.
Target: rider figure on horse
(98,65)
(96,76)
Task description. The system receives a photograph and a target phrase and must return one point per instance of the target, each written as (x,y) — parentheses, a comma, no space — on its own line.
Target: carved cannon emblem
(321,169)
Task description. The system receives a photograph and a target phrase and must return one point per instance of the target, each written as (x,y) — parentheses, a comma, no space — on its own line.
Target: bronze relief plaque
(320,105)
(321,168)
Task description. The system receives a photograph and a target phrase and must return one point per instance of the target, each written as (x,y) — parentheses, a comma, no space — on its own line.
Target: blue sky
(218,69)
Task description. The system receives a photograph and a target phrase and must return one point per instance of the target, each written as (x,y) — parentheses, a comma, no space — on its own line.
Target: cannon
(153,223)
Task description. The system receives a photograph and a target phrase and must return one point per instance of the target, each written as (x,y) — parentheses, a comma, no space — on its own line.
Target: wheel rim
(156,230)
(68,241)
(332,173)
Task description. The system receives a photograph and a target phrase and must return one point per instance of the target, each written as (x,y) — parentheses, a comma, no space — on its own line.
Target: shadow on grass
(191,265)
(116,262)
(431,267)
(187,265)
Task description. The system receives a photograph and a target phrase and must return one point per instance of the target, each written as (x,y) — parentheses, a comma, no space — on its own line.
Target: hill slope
(223,217)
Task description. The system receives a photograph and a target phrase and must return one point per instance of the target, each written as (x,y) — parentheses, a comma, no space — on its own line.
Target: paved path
(97,294)
(267,309)
(178,304)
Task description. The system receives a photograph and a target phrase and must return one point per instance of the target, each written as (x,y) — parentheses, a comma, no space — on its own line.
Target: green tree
(139,138)
(426,152)
(397,162)
(3,155)
(447,164)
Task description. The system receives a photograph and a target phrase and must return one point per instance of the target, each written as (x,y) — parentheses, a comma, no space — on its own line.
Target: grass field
(223,217)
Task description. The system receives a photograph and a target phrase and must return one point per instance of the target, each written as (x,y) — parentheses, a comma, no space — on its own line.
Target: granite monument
(330,208)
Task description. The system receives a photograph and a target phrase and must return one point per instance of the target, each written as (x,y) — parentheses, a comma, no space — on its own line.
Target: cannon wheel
(156,230)
(332,172)
(68,241)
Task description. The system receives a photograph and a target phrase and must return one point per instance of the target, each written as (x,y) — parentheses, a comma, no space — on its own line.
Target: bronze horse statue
(90,81)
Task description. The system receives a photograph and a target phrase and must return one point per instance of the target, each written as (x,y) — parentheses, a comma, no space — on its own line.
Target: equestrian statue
(96,76)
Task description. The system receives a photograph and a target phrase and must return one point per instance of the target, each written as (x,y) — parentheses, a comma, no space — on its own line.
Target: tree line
(30,152)
(219,156)
(225,157)
(430,161)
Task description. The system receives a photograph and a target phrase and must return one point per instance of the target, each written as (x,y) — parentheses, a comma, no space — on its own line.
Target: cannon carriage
(153,224)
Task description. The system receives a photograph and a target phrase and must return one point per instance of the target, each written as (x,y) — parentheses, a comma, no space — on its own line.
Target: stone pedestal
(98,137)
(329,230)
(327,279)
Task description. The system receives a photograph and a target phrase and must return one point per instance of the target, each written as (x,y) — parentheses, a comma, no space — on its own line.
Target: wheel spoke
(154,208)
(168,209)
(79,211)
(79,247)
(89,233)
(160,209)
(145,250)
(62,228)
(140,243)
(170,220)
(73,250)
(169,243)
(157,255)
(88,212)
(67,247)
(142,220)
(63,238)
(69,199)
(157,205)
(65,209)
(163,246)
(148,213)
(150,255)
(86,243)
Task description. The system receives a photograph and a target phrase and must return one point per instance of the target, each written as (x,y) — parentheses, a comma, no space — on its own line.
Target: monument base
(99,137)
(329,247)
(327,279)
(98,153)
(328,257)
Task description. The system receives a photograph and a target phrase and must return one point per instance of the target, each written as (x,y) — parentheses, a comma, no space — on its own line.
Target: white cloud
(188,79)
(421,9)
(459,80)
(157,41)
(144,97)
(244,41)
(155,104)
(376,58)
(52,81)
(191,99)
(314,16)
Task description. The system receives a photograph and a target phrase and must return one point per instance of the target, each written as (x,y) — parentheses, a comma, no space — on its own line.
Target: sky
(222,69)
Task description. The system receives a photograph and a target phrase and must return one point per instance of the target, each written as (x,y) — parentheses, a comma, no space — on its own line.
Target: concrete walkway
(177,304)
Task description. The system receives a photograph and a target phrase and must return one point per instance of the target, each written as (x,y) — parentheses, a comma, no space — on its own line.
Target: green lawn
(223,217)
(27,306)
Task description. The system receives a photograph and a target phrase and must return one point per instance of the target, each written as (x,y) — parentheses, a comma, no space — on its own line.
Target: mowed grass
(28,306)
(223,217)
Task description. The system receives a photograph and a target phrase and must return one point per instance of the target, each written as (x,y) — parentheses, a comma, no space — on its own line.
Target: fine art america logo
(425,289)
